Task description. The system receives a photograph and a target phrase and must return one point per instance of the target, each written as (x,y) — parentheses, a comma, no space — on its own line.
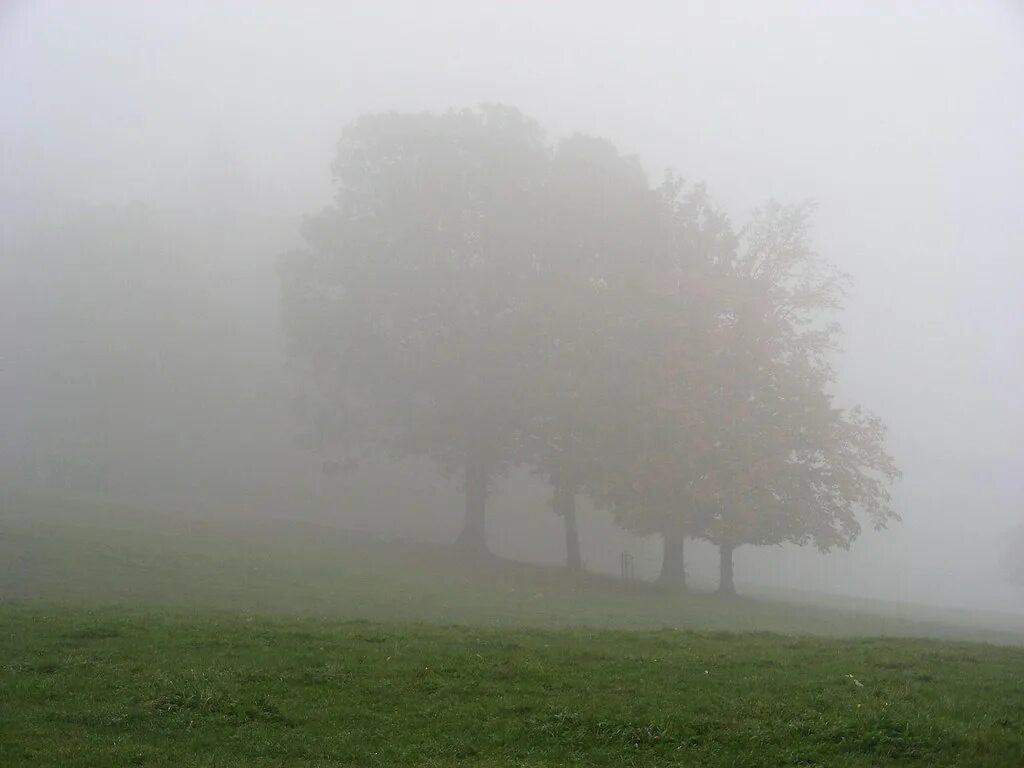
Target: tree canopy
(408,304)
(483,298)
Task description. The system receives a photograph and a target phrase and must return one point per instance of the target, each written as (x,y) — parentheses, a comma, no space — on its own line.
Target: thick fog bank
(158,160)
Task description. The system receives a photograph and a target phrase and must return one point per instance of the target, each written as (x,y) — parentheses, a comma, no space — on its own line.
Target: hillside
(88,554)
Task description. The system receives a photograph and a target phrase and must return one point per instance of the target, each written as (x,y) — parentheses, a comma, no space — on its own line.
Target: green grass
(129,638)
(117,687)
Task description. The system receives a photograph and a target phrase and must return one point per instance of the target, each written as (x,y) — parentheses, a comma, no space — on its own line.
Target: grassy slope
(123,687)
(88,555)
(213,649)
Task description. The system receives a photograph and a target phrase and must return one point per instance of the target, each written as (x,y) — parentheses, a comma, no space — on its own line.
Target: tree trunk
(473,536)
(566,486)
(673,567)
(565,505)
(726,586)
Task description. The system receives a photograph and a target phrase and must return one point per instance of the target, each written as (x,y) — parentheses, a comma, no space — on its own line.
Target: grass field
(114,687)
(133,639)
(93,555)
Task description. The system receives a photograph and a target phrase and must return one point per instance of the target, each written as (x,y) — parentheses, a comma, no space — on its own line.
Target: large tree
(727,428)
(407,304)
(599,223)
(785,464)
(660,350)
(476,298)
(778,461)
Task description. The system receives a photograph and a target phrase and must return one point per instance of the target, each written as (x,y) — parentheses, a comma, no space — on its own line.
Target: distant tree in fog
(407,303)
(1012,564)
(726,430)
(141,353)
(477,298)
(110,309)
(647,455)
(599,224)
(787,464)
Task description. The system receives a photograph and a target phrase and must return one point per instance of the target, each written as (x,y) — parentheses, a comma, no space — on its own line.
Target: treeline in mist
(480,297)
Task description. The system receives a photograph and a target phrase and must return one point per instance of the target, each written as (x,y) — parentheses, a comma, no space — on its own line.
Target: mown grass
(114,687)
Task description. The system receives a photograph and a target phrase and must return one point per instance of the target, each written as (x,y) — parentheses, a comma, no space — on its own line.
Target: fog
(158,159)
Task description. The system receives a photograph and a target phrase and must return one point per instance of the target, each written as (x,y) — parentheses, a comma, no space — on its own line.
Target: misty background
(158,159)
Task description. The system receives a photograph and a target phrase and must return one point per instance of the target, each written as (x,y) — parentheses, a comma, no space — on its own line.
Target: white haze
(903,120)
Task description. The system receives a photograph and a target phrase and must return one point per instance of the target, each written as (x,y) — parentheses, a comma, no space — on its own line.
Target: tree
(111,372)
(150,374)
(599,216)
(1012,562)
(727,428)
(659,347)
(406,305)
(787,465)
(472,297)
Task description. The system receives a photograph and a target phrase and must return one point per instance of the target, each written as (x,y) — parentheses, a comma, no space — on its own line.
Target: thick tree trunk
(673,566)
(473,536)
(726,586)
(565,505)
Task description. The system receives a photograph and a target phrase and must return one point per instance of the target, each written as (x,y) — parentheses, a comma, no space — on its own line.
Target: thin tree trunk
(726,586)
(566,487)
(565,505)
(473,536)
(673,565)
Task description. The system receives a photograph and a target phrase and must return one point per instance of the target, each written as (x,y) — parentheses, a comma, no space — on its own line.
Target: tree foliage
(479,297)
(407,303)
